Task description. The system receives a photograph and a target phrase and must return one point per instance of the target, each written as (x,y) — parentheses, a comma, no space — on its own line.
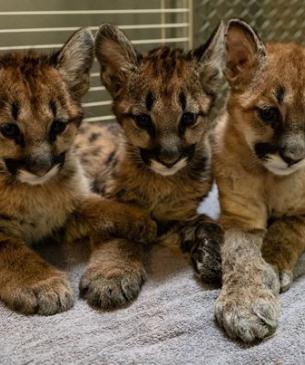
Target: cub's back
(100,146)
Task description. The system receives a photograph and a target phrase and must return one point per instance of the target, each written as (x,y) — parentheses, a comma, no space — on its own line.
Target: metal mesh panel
(279,20)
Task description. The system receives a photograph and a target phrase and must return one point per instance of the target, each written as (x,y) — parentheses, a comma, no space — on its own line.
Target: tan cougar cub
(260,172)
(42,186)
(158,156)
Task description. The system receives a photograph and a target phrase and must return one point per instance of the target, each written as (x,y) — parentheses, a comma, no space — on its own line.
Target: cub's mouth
(164,170)
(35,172)
(167,163)
(275,161)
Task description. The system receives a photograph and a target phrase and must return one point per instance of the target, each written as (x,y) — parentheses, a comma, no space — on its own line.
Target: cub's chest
(166,199)
(286,195)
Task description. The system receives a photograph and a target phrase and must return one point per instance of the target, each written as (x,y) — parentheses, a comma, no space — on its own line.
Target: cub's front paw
(203,240)
(113,290)
(139,227)
(45,297)
(286,279)
(248,314)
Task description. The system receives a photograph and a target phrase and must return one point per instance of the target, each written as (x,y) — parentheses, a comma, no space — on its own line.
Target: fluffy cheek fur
(195,134)
(64,141)
(136,136)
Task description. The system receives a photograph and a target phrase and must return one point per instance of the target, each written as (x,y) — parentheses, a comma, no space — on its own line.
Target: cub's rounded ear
(74,61)
(210,57)
(245,53)
(116,55)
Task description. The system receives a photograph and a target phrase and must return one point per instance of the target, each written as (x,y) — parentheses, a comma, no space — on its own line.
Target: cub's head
(267,98)
(161,99)
(40,108)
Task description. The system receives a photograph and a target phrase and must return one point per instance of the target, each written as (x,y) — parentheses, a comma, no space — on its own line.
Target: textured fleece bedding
(172,322)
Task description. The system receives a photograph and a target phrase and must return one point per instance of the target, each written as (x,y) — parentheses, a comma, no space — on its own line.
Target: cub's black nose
(288,158)
(39,165)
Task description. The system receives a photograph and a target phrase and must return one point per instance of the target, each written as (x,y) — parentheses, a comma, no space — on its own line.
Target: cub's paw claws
(203,240)
(248,319)
(140,229)
(113,292)
(286,279)
(146,231)
(47,297)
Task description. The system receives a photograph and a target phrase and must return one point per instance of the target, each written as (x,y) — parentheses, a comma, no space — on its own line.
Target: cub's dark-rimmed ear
(210,57)
(116,55)
(74,61)
(245,53)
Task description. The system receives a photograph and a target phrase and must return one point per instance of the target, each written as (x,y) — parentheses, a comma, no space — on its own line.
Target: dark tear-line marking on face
(53,107)
(182,100)
(15,110)
(149,101)
(279,93)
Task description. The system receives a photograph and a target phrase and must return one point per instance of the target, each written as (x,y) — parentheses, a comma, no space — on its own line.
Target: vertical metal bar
(190,20)
(163,29)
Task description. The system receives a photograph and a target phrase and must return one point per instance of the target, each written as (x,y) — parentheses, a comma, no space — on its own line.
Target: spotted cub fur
(157,157)
(42,185)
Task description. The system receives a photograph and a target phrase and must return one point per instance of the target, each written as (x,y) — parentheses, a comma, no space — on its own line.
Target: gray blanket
(172,322)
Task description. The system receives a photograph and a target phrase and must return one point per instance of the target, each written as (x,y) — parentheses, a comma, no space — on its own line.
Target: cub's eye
(142,120)
(188,119)
(269,114)
(57,127)
(10,130)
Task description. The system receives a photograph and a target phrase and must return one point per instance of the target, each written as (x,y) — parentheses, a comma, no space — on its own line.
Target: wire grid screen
(46,25)
(274,20)
(279,20)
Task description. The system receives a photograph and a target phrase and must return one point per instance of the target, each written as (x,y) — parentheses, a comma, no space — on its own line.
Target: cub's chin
(276,165)
(163,170)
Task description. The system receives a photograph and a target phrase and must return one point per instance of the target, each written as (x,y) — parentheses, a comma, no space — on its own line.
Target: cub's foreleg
(109,218)
(283,245)
(247,306)
(28,284)
(115,273)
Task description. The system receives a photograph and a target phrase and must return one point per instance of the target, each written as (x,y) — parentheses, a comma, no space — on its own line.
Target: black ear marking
(149,101)
(15,109)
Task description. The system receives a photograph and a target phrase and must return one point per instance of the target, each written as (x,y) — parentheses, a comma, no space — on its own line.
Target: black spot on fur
(94,136)
(110,158)
(98,187)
